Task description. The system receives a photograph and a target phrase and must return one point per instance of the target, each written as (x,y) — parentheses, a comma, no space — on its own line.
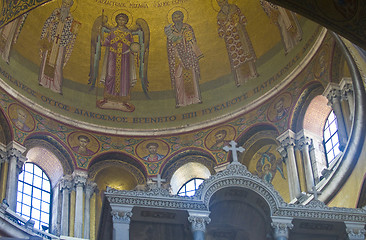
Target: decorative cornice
(158,198)
(235,175)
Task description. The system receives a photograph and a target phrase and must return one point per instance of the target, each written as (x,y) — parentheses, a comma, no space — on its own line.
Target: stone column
(281,228)
(287,150)
(66,185)
(16,161)
(198,221)
(89,190)
(333,94)
(55,226)
(79,181)
(3,155)
(355,231)
(347,94)
(303,143)
(121,217)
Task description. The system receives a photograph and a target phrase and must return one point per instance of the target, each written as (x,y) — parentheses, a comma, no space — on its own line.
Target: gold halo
(216,7)
(172,10)
(73,7)
(130,17)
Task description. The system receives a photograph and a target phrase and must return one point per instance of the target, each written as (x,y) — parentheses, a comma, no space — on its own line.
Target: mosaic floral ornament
(12,9)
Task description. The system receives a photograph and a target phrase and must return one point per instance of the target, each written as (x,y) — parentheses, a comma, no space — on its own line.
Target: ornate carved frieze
(235,175)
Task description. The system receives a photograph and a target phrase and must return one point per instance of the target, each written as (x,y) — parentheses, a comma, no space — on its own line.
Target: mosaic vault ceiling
(152,65)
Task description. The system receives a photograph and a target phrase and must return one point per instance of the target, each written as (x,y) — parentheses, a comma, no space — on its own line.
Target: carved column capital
(90,188)
(303,139)
(66,183)
(79,178)
(355,231)
(121,217)
(346,87)
(287,139)
(281,228)
(3,154)
(199,223)
(333,93)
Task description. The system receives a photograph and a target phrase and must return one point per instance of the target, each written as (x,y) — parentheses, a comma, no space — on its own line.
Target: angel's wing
(99,27)
(143,32)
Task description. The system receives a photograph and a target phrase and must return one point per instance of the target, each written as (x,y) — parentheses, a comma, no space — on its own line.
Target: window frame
(179,193)
(42,200)
(332,136)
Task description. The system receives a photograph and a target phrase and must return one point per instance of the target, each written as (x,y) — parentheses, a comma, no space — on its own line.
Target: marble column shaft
(79,184)
(304,144)
(89,190)
(66,184)
(16,161)
(287,140)
(121,224)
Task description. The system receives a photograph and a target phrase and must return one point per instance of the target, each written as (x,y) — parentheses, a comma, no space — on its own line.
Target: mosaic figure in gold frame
(57,41)
(242,57)
(183,56)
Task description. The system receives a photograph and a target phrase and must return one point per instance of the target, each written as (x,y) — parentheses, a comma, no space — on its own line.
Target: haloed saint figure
(121,69)
(57,41)
(231,27)
(183,56)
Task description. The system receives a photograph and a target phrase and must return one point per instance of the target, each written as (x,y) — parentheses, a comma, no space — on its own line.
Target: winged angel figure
(268,165)
(125,60)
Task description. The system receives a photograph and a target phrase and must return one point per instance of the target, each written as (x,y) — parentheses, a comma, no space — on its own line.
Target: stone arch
(311,91)
(54,146)
(186,156)
(127,171)
(237,175)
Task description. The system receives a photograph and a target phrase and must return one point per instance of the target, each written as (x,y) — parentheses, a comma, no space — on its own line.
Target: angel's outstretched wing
(99,27)
(143,32)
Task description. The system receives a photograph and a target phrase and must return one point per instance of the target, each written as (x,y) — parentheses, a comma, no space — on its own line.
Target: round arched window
(190,187)
(34,195)
(331,142)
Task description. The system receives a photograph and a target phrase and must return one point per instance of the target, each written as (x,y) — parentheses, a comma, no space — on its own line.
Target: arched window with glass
(34,195)
(190,187)
(331,141)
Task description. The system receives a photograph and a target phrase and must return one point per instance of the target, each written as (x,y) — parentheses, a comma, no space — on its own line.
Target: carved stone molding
(199,223)
(235,175)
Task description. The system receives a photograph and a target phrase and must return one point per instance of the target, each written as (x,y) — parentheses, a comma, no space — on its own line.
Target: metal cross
(315,192)
(159,180)
(234,150)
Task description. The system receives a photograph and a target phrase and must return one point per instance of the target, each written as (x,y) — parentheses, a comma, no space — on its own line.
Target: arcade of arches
(117,104)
